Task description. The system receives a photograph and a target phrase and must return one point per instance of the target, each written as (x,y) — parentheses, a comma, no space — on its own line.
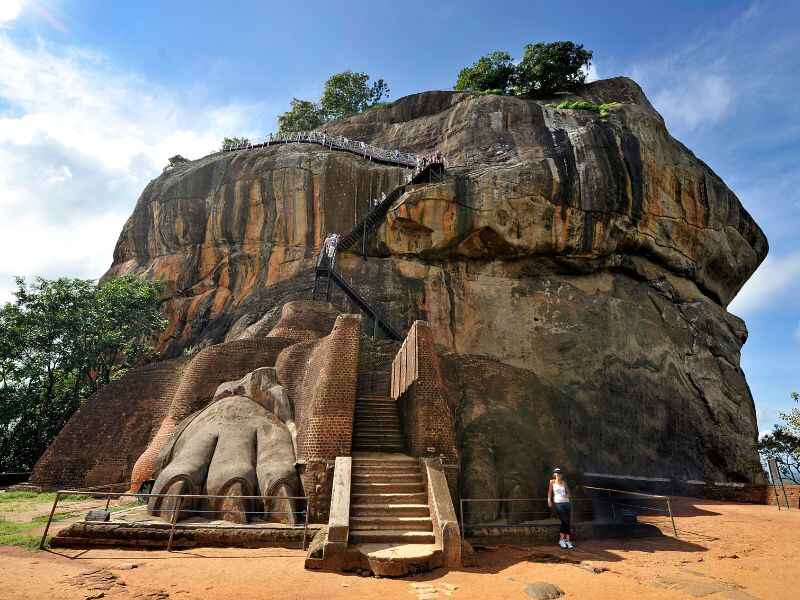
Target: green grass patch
(378,105)
(19,533)
(35,497)
(12,527)
(29,542)
(601,109)
(42,519)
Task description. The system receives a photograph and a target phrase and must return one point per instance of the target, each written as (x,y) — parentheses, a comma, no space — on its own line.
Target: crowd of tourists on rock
(332,141)
(419,163)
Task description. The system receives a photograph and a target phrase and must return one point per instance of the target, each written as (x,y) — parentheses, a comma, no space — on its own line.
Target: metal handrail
(573,501)
(331,141)
(176,511)
(658,496)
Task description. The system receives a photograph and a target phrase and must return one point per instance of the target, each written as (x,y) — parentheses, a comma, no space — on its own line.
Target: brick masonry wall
(416,377)
(305,321)
(754,494)
(328,402)
(320,378)
(103,439)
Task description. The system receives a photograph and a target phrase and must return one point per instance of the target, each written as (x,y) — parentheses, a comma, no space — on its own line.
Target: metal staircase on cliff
(326,262)
(431,172)
(378,322)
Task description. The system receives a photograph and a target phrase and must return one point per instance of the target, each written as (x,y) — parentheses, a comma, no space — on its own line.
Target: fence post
(613,513)
(305,526)
(49,519)
(672,518)
(461,514)
(175,513)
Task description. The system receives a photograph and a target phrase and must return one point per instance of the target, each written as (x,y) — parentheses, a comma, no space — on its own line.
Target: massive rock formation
(575,271)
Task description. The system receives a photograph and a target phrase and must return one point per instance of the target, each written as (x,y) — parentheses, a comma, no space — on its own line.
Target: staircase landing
(390,522)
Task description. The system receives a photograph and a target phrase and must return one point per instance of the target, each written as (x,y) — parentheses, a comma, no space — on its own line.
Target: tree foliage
(543,70)
(174,161)
(601,109)
(349,93)
(235,141)
(783,444)
(345,94)
(303,115)
(549,68)
(59,342)
(488,73)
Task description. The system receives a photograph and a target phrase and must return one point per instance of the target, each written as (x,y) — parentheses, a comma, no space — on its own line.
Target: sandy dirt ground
(725,551)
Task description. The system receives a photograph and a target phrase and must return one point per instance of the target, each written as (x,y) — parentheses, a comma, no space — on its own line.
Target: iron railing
(521,512)
(337,142)
(175,511)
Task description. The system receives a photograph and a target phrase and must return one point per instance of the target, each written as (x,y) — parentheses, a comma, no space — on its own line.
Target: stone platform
(546,532)
(137,529)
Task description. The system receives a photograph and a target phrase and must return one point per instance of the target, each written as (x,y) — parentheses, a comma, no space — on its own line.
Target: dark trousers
(563,510)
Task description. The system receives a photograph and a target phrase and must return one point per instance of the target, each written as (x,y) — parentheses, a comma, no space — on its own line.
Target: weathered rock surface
(233,236)
(576,272)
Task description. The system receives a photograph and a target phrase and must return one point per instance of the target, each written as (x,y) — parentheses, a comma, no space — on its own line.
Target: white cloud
(765,419)
(592,74)
(721,70)
(701,99)
(10,10)
(774,281)
(79,140)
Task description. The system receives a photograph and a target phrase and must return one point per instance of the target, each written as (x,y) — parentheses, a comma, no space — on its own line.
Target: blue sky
(95,95)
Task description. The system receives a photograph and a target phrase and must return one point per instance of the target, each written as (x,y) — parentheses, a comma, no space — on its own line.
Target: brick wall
(754,494)
(417,384)
(320,378)
(329,393)
(103,439)
(305,321)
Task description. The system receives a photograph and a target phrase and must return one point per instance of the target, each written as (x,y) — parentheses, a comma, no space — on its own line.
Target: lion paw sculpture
(241,444)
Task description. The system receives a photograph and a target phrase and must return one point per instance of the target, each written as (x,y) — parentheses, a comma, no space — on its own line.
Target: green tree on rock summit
(549,68)
(345,94)
(303,115)
(490,73)
(544,69)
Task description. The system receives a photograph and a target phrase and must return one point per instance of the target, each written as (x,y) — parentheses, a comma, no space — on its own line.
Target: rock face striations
(575,272)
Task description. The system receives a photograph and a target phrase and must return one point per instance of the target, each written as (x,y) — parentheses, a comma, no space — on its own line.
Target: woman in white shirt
(558,498)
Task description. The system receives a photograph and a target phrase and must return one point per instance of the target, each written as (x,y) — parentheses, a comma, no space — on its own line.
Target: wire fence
(624,505)
(202,510)
(599,505)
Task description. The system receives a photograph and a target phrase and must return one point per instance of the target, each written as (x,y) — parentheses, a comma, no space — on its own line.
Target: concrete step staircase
(388,501)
